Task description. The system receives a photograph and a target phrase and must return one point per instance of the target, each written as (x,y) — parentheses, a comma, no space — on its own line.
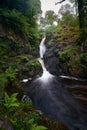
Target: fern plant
(10,73)
(21,116)
(33,126)
(3,82)
(11,102)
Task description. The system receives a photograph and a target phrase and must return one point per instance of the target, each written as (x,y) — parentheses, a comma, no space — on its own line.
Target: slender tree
(81,11)
(50,17)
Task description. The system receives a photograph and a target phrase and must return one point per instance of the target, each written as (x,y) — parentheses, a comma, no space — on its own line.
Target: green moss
(22,58)
(74,60)
(4,48)
(15,20)
(33,64)
(66,33)
(69,51)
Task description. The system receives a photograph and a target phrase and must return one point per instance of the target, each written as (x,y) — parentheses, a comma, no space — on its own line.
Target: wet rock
(51,124)
(1,123)
(6,124)
(51,60)
(56,103)
(77,87)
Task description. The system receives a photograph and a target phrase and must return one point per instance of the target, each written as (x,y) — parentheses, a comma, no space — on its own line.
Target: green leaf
(11,102)
(39,128)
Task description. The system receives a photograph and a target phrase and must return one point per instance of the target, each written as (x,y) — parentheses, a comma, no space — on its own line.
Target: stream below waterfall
(48,96)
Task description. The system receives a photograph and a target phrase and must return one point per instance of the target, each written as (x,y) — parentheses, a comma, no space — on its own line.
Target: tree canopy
(24,6)
(82,14)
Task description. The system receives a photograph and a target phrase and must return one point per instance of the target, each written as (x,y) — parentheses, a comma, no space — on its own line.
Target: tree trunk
(81,13)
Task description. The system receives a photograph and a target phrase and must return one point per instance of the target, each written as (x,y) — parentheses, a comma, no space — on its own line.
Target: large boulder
(51,58)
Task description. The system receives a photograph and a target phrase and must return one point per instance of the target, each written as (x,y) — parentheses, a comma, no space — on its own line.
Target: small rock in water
(26,80)
(40,112)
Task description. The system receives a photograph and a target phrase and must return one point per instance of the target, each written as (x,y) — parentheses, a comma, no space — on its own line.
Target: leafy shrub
(33,37)
(4,48)
(21,59)
(33,64)
(15,20)
(10,73)
(10,102)
(83,58)
(34,126)
(66,34)
(70,51)
(74,60)
(21,114)
(50,29)
(69,19)
(3,82)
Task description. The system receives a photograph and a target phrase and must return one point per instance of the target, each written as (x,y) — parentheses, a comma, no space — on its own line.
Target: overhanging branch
(59,2)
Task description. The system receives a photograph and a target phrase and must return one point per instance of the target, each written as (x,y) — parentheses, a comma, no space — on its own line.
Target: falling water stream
(46,76)
(48,96)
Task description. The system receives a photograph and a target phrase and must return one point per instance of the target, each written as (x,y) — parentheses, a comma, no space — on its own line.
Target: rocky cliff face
(16,61)
(51,58)
(64,60)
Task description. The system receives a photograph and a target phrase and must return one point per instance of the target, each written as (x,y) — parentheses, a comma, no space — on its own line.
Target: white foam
(42,64)
(46,76)
(26,80)
(42,48)
(68,77)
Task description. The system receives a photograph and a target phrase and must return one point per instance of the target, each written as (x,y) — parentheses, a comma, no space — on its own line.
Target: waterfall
(42,64)
(42,47)
(46,75)
(50,98)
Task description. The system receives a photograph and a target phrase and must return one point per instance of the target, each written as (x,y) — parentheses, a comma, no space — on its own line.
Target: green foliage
(10,73)
(21,114)
(22,59)
(15,20)
(33,126)
(20,17)
(69,19)
(3,81)
(74,60)
(50,29)
(4,48)
(69,51)
(25,6)
(33,37)
(83,58)
(10,102)
(33,64)
(34,7)
(66,34)
(50,17)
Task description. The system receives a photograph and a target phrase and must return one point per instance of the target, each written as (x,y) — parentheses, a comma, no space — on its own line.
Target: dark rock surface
(6,124)
(51,58)
(51,61)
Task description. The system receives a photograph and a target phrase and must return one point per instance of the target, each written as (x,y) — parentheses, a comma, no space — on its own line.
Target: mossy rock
(52,124)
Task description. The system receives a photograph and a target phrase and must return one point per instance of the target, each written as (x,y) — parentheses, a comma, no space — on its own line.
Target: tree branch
(59,2)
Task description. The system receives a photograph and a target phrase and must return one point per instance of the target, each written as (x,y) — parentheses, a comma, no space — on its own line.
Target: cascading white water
(46,75)
(42,47)
(42,64)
